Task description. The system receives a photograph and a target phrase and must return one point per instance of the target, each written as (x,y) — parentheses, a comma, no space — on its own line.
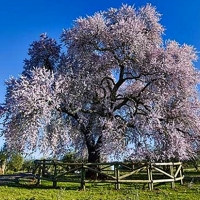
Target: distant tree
(16,161)
(69,158)
(72,157)
(28,165)
(119,89)
(4,155)
(4,152)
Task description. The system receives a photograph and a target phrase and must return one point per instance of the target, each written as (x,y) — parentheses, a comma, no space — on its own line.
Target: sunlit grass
(65,191)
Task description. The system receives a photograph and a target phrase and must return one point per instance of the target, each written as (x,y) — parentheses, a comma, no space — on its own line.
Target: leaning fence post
(181,174)
(83,177)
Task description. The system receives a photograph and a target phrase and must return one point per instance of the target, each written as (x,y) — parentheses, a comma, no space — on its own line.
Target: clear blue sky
(22,21)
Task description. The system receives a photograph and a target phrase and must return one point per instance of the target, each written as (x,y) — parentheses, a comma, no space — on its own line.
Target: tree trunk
(93,157)
(93,154)
(2,166)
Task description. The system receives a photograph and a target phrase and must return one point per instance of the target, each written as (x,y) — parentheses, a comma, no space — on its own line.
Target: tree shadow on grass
(27,184)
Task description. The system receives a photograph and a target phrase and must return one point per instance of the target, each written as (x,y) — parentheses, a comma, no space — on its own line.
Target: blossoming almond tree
(42,53)
(117,90)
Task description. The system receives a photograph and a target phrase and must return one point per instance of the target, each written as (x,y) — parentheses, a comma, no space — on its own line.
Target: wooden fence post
(181,174)
(150,176)
(83,177)
(116,171)
(172,174)
(43,167)
(54,176)
(39,175)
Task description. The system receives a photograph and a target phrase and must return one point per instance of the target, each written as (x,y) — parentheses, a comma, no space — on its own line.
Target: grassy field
(28,191)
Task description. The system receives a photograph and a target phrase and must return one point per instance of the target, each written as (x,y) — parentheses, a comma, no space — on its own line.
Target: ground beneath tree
(14,178)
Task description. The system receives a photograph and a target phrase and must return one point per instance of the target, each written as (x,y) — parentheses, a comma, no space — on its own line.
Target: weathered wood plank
(63,172)
(163,172)
(131,173)
(178,170)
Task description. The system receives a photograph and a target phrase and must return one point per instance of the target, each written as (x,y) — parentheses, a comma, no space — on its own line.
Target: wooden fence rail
(113,172)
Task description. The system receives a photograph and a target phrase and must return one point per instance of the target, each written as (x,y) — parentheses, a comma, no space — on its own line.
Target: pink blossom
(118,90)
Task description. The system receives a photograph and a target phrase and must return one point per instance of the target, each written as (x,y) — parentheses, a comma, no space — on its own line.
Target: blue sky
(22,21)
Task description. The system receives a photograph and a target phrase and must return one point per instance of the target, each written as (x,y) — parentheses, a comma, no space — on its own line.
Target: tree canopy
(118,89)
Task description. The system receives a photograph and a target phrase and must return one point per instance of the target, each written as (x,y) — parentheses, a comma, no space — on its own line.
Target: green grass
(65,191)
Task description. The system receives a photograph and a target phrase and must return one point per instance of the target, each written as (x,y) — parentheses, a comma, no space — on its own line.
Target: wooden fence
(113,172)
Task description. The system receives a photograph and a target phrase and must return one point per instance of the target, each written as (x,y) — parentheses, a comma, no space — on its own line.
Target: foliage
(72,158)
(15,162)
(117,90)
(28,165)
(4,153)
(48,53)
(193,162)
(69,157)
